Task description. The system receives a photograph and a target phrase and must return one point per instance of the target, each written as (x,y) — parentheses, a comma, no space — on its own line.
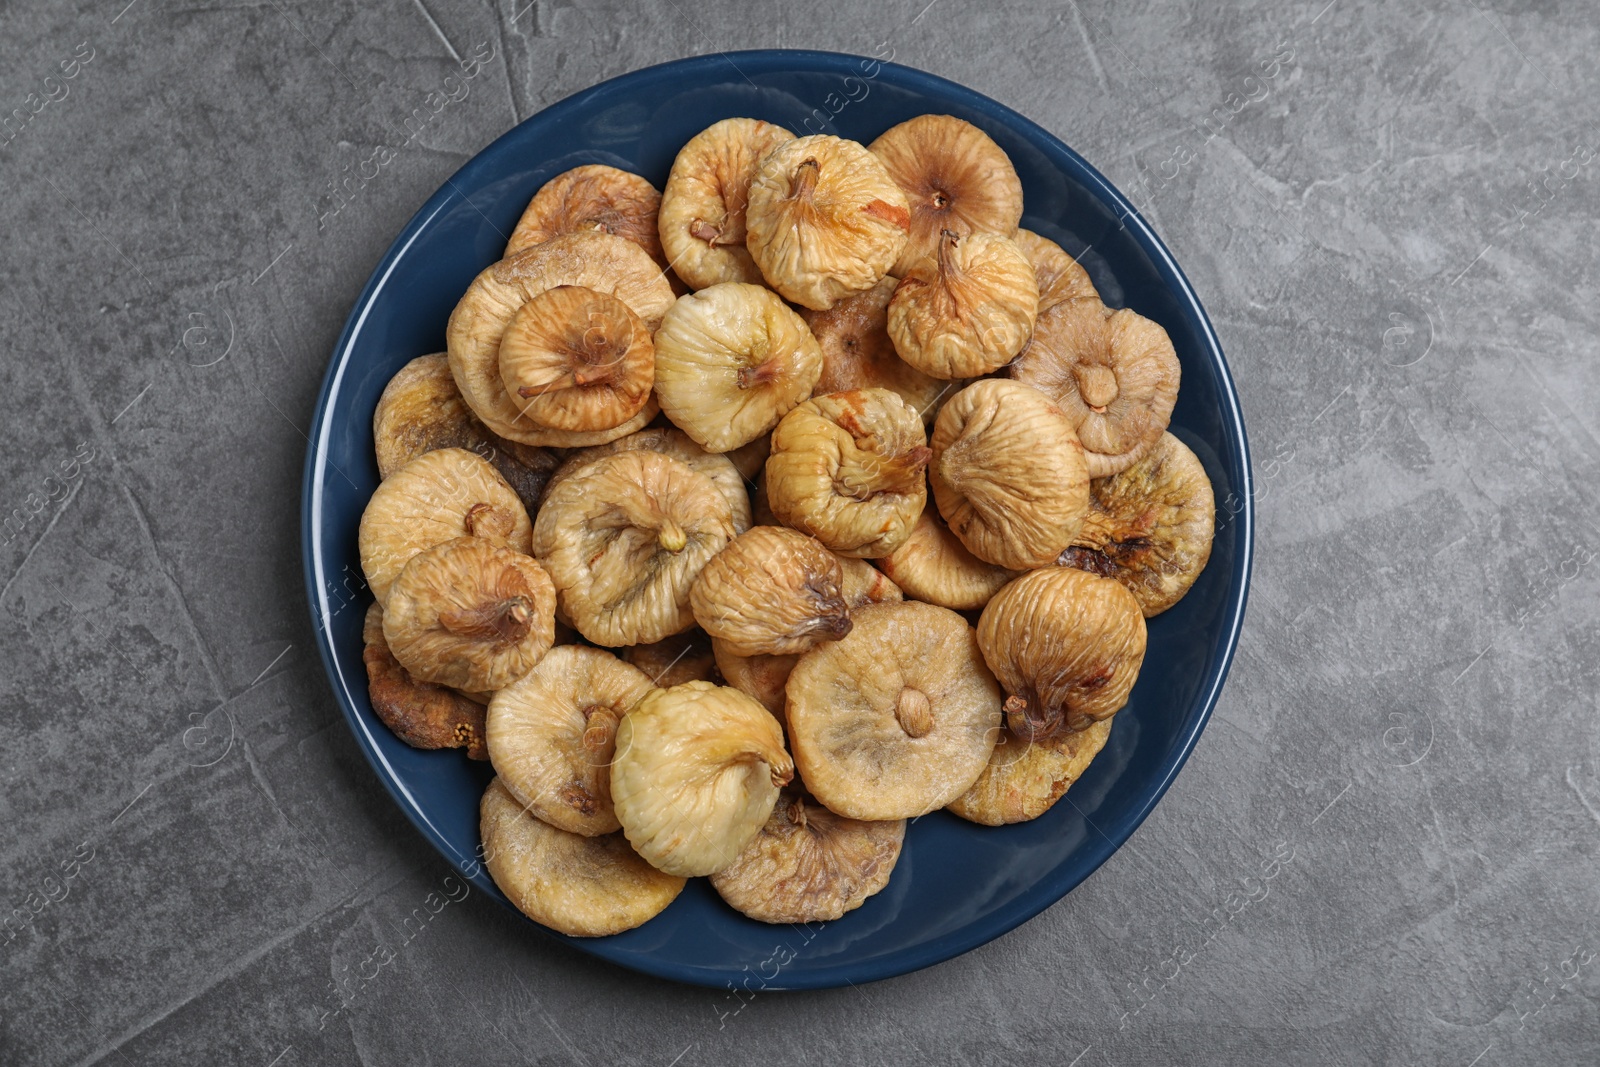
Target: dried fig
(593,197)
(685,657)
(673,442)
(857,352)
(1023,779)
(579,886)
(421,714)
(897,719)
(825,220)
(967,310)
(1115,377)
(553,731)
(955,178)
(703,205)
(1149,527)
(809,865)
(442,494)
(730,361)
(1066,645)
(624,538)
(933,565)
(574,359)
(1061,278)
(1008,474)
(847,469)
(697,772)
(771,591)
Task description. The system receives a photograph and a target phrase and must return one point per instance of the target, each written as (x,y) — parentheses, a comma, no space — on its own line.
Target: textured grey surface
(1393,233)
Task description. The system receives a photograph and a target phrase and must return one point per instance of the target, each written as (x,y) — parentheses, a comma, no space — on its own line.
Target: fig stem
(914,712)
(761,374)
(804,183)
(508,619)
(1030,722)
(1098,387)
(600,730)
(671,536)
(948,240)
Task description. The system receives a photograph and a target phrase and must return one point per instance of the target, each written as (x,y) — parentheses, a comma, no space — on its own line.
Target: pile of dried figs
(745,521)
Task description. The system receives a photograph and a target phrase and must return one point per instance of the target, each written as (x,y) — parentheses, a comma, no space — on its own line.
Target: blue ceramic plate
(957,885)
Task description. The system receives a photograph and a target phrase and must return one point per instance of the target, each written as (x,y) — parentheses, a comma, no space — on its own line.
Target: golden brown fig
(825,220)
(442,494)
(421,714)
(1023,779)
(730,361)
(809,865)
(624,538)
(470,614)
(575,359)
(857,352)
(1008,474)
(771,592)
(1115,377)
(579,886)
(697,771)
(703,205)
(669,441)
(847,469)
(967,310)
(685,657)
(593,197)
(1061,279)
(933,565)
(593,260)
(1149,527)
(552,735)
(1066,645)
(955,178)
(897,719)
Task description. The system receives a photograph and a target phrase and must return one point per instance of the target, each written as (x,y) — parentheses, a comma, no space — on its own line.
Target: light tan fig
(624,539)
(669,441)
(771,591)
(809,865)
(697,772)
(421,714)
(574,359)
(703,205)
(896,720)
(847,469)
(1023,779)
(553,732)
(857,352)
(470,614)
(591,198)
(933,565)
(1066,646)
(685,657)
(955,178)
(966,310)
(440,495)
(1149,527)
(576,885)
(1061,278)
(825,220)
(731,360)
(592,260)
(1115,378)
(1008,474)
(421,410)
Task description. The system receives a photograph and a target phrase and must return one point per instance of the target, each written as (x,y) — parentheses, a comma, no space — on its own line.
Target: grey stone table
(1389,211)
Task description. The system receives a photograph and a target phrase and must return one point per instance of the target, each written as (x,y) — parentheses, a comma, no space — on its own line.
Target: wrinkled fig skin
(955,178)
(1066,646)
(577,360)
(966,311)
(624,539)
(809,865)
(421,714)
(771,592)
(697,771)
(825,220)
(592,198)
(1008,474)
(685,657)
(857,352)
(552,735)
(440,495)
(1149,527)
(669,441)
(1024,779)
(703,205)
(470,614)
(1114,375)
(933,565)
(1061,278)
(576,885)
(896,720)
(731,360)
(848,470)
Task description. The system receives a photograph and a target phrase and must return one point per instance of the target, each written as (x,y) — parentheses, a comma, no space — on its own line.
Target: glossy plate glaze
(957,885)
